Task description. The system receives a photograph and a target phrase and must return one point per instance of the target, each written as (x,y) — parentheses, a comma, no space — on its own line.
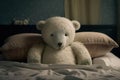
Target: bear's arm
(35,53)
(81,54)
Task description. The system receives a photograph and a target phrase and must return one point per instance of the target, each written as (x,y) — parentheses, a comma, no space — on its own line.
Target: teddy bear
(58,46)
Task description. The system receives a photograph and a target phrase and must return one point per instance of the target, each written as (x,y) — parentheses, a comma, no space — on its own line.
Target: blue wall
(108,12)
(32,9)
(41,9)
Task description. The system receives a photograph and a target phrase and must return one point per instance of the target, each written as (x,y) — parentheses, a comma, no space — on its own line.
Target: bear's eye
(51,35)
(66,34)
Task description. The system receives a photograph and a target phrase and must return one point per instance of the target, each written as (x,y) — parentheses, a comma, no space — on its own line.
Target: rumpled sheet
(25,71)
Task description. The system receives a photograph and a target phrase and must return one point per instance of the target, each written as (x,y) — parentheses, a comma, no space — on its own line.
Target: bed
(20,70)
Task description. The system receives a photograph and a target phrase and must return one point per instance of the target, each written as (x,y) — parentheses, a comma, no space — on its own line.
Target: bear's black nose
(59,44)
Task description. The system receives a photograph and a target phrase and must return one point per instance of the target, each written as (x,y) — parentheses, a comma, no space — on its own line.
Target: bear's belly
(64,56)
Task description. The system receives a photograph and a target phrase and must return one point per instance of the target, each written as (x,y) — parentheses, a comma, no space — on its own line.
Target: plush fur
(59,47)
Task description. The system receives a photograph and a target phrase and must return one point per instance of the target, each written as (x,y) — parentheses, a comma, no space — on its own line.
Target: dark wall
(32,9)
(8,30)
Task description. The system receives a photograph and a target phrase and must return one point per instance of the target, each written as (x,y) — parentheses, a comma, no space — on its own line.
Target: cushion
(98,44)
(16,46)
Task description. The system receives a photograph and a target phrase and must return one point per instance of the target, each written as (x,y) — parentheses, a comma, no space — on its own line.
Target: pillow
(98,44)
(16,46)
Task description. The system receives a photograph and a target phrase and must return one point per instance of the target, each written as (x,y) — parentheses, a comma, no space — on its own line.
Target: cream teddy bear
(58,45)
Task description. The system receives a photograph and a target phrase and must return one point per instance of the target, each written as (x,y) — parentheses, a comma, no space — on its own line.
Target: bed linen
(29,71)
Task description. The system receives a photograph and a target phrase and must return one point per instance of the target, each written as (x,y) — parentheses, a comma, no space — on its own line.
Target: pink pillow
(16,46)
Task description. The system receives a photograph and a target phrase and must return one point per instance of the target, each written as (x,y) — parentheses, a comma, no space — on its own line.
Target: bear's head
(58,32)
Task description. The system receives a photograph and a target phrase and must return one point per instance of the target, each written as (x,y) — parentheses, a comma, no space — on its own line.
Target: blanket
(31,71)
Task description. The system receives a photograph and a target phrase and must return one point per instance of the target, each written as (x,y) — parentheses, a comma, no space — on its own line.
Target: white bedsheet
(108,60)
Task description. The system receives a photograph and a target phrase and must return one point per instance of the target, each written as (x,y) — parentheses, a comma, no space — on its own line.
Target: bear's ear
(76,24)
(40,25)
